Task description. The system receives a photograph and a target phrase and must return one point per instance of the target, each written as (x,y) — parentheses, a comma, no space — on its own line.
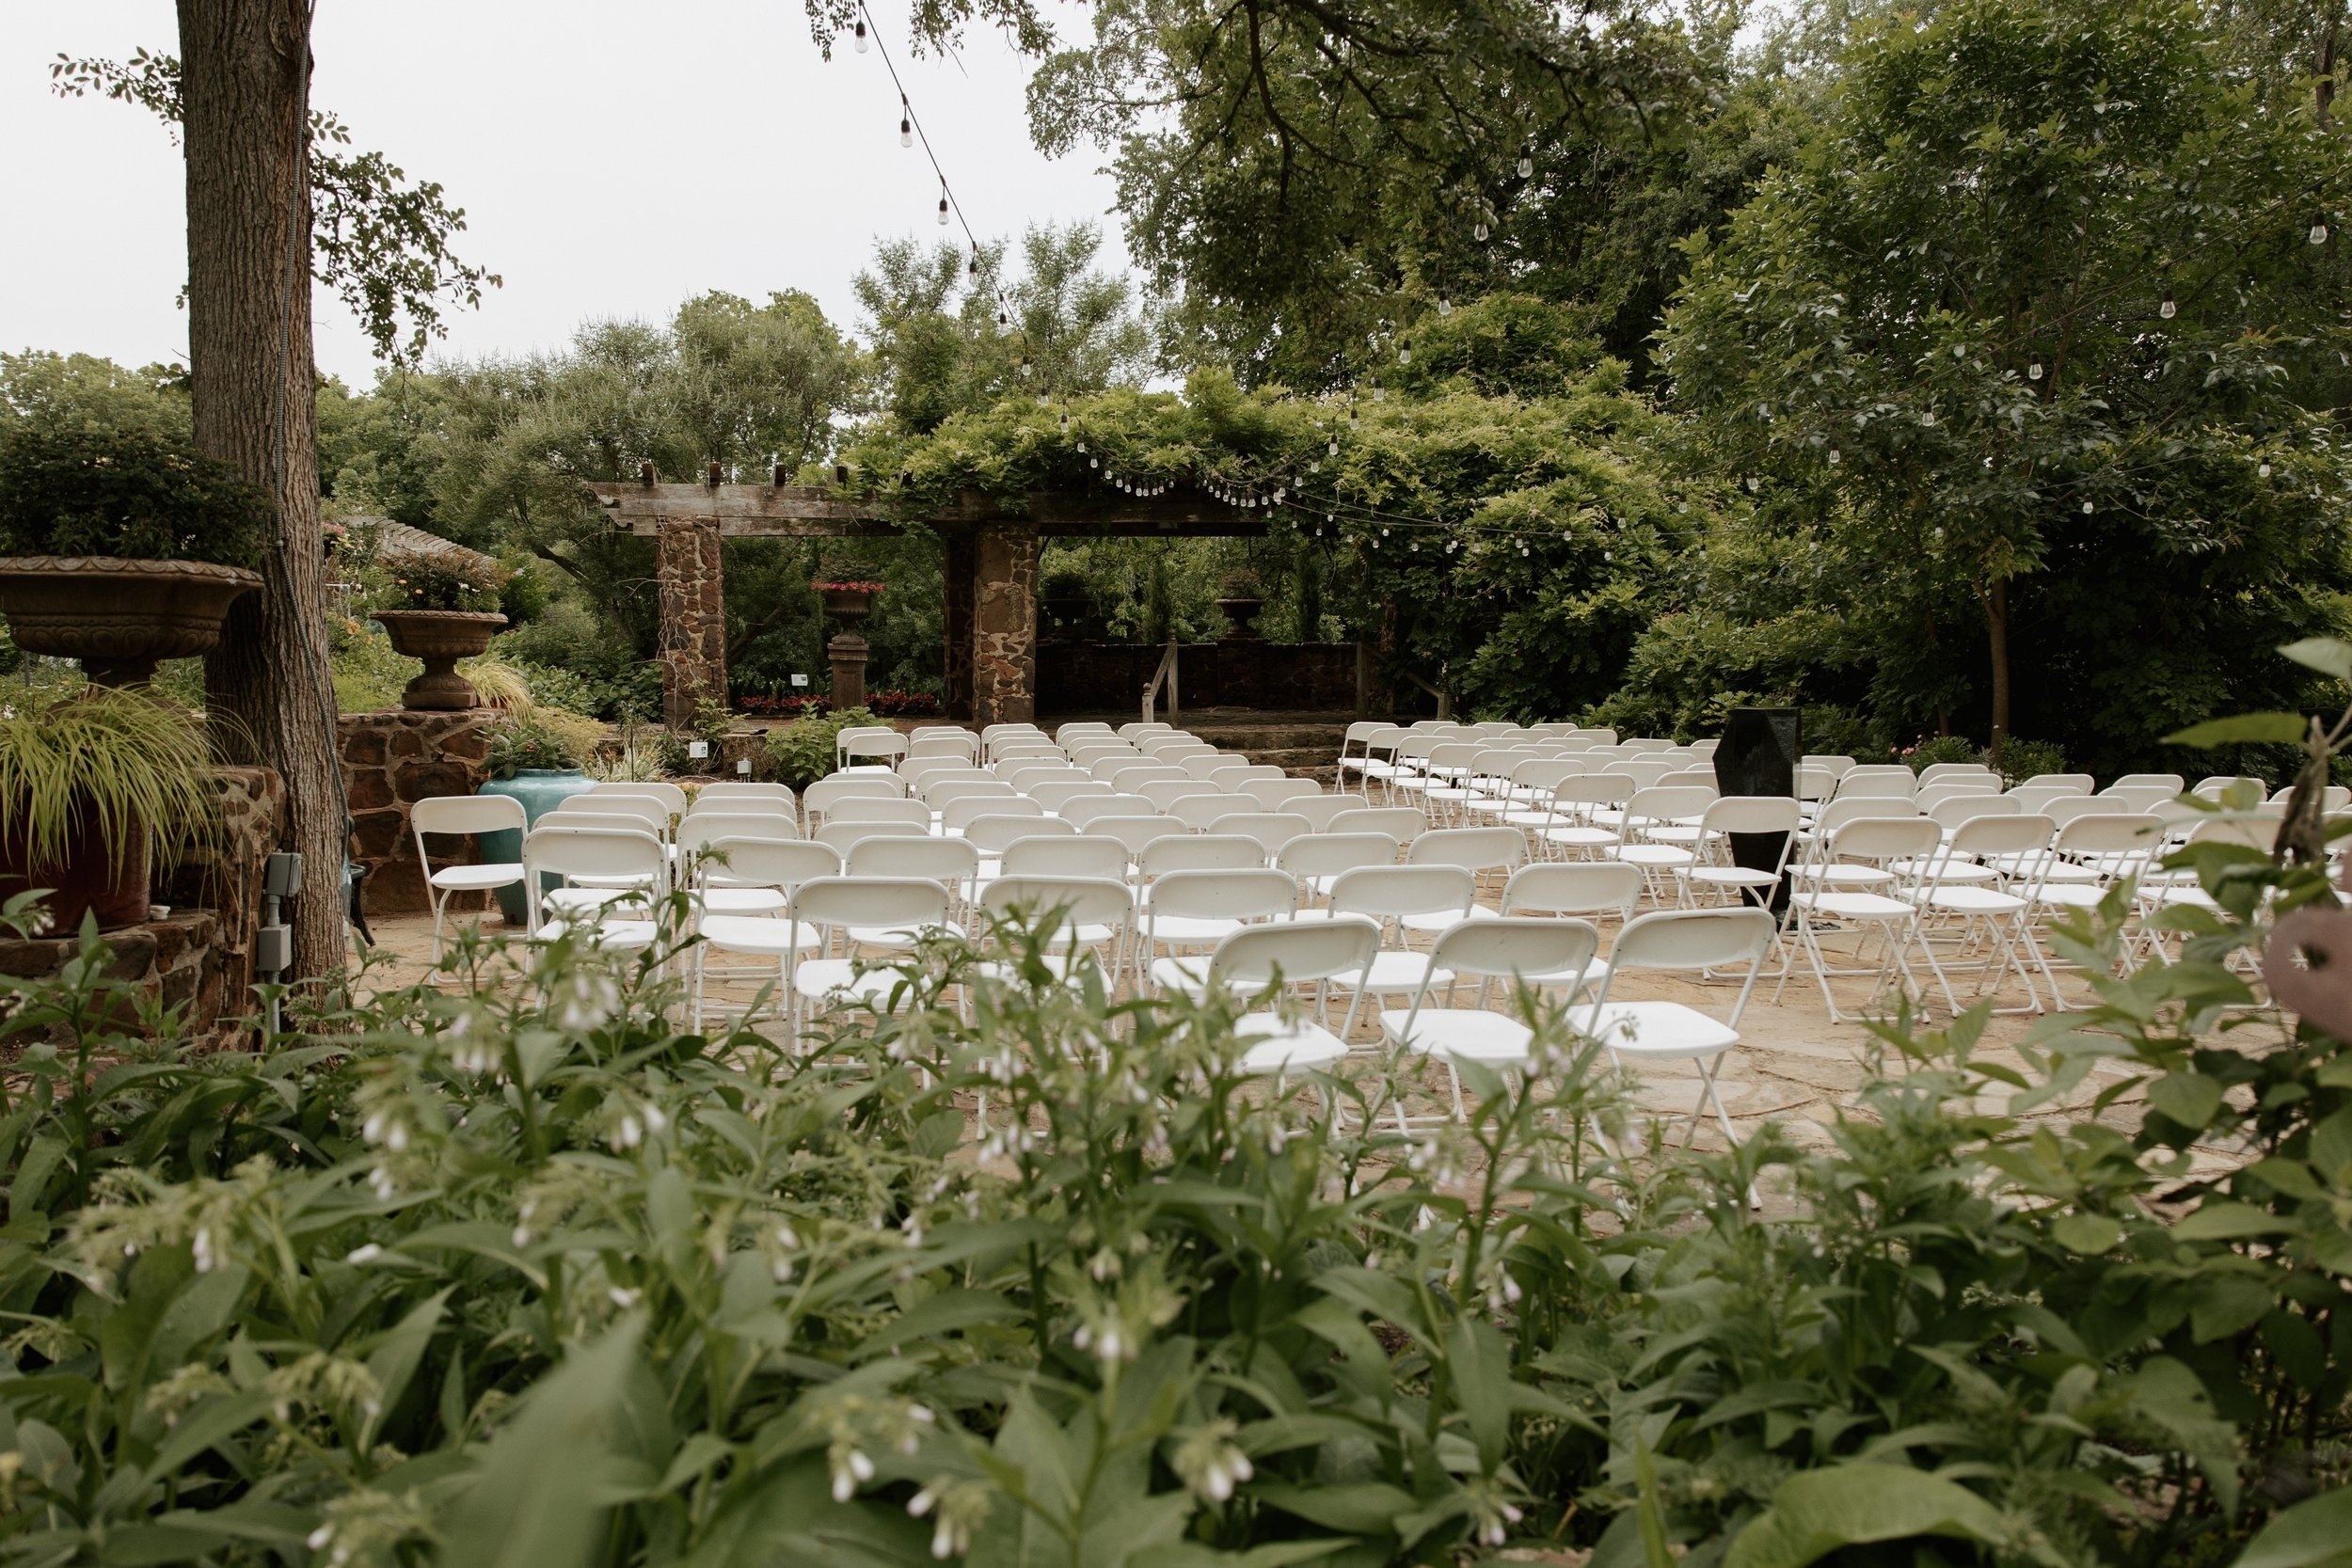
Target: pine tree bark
(246,70)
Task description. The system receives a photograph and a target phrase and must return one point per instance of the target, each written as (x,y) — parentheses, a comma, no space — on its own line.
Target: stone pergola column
(958,569)
(691,603)
(1004,623)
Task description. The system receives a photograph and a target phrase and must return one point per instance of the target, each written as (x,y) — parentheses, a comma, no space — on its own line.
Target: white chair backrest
(843,834)
(2172,784)
(1135,831)
(636,810)
(1815,784)
(877,808)
(1042,856)
(1252,893)
(701,829)
(1055,797)
(1944,772)
(1829,761)
(2139,796)
(611,853)
(819,798)
(1574,887)
(1510,947)
(1900,785)
(1838,812)
(1320,810)
(465,813)
(1751,814)
(1967,808)
(868,740)
(1074,900)
(1200,852)
(1934,794)
(2035,796)
(2075,784)
(672,797)
(1385,892)
(938,795)
(1595,789)
(768,863)
(944,743)
(1692,939)
(2002,835)
(1210,767)
(732,790)
(1328,854)
(1277,794)
(1088,809)
(2063,809)
(2116,835)
(1402,823)
(1666,803)
(1295,952)
(1472,848)
(1270,829)
(908,903)
(1886,839)
(951,862)
(989,834)
(958,816)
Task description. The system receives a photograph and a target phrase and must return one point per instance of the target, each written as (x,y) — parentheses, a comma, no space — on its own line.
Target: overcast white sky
(613,156)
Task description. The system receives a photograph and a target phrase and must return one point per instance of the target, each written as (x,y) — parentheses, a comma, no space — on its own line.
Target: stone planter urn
(1241,616)
(848,606)
(118,616)
(440,638)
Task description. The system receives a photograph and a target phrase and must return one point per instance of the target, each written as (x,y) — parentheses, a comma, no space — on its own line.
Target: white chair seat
(1951,875)
(1971,901)
(1188,975)
(1655,857)
(585,900)
(1841,874)
(1655,1029)
(465,877)
(1444,920)
(1191,930)
(1581,838)
(1389,973)
(748,934)
(1726,876)
(1460,1033)
(1277,1046)
(1063,963)
(630,935)
(2071,895)
(739,900)
(1851,905)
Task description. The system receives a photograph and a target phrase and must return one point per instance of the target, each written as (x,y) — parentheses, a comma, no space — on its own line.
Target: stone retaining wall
(391,760)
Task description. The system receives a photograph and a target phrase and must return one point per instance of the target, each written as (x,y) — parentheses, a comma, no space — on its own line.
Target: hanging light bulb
(1065,420)
(1405,351)
(943,204)
(2087,509)
(2167,310)
(906,122)
(1527,162)
(1332,447)
(1378,393)
(1315,465)
(1445,306)
(973,270)
(1835,457)
(1082,446)
(861,38)
(1479,231)
(2033,371)
(1414,546)
(1094,462)
(2319,230)
(2263,472)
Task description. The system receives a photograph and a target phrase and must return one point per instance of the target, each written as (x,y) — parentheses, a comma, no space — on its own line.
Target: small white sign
(698,749)
(799,680)
(743,765)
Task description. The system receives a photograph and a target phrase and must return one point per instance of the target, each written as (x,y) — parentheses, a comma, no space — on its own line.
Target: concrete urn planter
(440,638)
(118,616)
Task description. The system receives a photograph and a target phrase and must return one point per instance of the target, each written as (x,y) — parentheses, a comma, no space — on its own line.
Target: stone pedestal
(1003,625)
(689,600)
(391,760)
(848,654)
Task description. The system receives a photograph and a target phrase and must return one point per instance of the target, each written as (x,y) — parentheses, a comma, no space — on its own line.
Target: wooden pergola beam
(819,512)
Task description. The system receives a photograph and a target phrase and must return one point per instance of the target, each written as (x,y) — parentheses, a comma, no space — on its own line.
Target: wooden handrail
(1165,673)
(1445,703)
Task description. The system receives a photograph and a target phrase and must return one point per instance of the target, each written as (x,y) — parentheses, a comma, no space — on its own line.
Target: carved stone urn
(440,638)
(118,616)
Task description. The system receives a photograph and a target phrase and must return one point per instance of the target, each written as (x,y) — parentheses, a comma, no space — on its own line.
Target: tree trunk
(1997,638)
(246,70)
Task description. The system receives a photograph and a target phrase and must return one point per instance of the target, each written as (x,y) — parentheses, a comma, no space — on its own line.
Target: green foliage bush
(527,1273)
(527,739)
(441,579)
(1928,751)
(802,753)
(134,491)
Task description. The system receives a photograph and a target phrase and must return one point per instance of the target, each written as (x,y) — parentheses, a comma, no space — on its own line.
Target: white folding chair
(1680,940)
(1519,950)
(1406,898)
(464,815)
(891,913)
(775,867)
(1402,823)
(628,868)
(1866,866)
(1277,794)
(1287,953)
(1200,909)
(673,797)
(952,863)
(1318,860)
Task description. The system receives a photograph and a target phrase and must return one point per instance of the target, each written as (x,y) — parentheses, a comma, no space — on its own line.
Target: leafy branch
(378,241)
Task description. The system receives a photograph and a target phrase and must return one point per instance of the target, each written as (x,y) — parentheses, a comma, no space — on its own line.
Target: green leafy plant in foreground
(517,1270)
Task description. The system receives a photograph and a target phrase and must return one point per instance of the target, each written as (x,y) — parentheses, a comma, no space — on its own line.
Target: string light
(2319,230)
(906,122)
(942,201)
(1445,306)
(1527,162)
(2167,310)
(860,36)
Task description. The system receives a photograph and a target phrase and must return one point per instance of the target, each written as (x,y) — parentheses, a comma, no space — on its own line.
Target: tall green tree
(2044,305)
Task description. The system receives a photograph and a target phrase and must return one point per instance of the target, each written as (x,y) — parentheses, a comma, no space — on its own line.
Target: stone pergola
(990,561)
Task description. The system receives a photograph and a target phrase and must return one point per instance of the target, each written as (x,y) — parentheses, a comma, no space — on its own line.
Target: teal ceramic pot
(540,790)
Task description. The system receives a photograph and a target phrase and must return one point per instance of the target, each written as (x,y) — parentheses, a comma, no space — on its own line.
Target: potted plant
(441,607)
(121,548)
(530,758)
(1241,597)
(90,788)
(848,602)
